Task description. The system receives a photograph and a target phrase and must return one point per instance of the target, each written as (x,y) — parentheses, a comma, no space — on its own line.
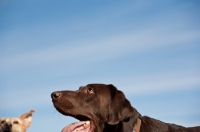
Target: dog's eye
(15,122)
(90,90)
(3,122)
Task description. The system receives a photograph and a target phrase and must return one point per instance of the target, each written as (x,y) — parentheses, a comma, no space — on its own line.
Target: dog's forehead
(10,120)
(6,119)
(100,88)
(15,119)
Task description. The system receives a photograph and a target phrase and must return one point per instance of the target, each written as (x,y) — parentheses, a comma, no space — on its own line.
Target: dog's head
(19,124)
(96,105)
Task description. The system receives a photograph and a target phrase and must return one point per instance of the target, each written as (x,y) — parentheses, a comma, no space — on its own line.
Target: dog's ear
(27,118)
(120,108)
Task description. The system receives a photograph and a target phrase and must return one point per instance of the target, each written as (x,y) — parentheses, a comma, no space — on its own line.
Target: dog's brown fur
(19,124)
(109,110)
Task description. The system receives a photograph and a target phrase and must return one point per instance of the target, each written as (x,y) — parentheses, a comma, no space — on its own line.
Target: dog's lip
(82,126)
(82,117)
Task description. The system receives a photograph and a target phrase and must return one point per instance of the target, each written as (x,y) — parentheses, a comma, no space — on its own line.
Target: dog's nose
(55,95)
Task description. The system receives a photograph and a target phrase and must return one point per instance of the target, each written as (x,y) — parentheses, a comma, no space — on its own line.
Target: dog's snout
(55,95)
(8,125)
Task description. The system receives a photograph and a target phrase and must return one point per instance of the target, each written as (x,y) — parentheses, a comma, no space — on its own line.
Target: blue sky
(147,49)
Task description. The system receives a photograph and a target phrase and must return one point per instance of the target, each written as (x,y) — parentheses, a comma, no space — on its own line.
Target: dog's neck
(136,127)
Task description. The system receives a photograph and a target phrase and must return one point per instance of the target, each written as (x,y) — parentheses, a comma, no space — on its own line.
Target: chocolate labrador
(103,108)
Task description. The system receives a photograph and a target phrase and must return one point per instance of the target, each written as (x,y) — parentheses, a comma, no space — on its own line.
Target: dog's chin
(85,124)
(82,126)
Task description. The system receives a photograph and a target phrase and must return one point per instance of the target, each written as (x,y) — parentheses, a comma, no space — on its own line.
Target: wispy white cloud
(101,49)
(31,97)
(163,85)
(139,27)
(165,28)
(146,84)
(161,82)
